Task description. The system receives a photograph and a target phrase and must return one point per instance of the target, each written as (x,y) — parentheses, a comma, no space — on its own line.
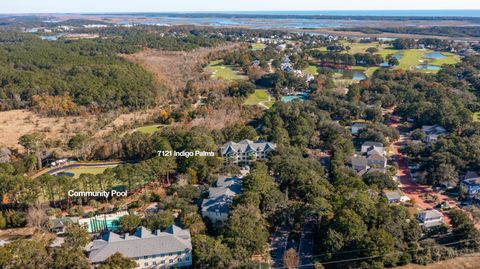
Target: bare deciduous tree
(37,216)
(290,259)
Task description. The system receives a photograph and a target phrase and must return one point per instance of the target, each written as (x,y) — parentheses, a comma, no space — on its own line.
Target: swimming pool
(102,222)
(98,225)
(289,98)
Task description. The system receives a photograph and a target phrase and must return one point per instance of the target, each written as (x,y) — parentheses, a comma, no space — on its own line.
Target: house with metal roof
(429,219)
(217,206)
(246,151)
(171,248)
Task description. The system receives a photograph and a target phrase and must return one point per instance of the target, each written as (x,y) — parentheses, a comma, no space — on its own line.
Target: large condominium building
(216,206)
(246,151)
(171,248)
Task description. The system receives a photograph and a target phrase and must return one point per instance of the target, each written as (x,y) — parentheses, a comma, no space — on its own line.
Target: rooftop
(142,243)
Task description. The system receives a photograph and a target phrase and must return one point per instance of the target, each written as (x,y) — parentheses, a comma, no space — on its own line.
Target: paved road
(278,246)
(305,250)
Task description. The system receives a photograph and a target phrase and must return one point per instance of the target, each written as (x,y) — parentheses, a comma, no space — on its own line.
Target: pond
(428,67)
(50,37)
(435,55)
(352,74)
(64,174)
(289,98)
(396,56)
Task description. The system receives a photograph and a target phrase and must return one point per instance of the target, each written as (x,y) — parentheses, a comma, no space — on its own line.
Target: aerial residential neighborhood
(251,134)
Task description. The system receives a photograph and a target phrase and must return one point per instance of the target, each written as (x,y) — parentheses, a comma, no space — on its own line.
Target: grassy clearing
(86,170)
(150,129)
(476,117)
(261,98)
(360,47)
(258,46)
(311,70)
(410,59)
(221,71)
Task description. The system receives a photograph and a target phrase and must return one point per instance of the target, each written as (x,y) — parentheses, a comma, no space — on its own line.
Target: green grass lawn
(261,98)
(150,129)
(86,170)
(360,47)
(221,71)
(476,117)
(258,46)
(409,60)
(324,49)
(311,70)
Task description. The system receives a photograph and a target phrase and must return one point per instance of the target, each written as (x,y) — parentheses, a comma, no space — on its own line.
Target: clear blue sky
(53,6)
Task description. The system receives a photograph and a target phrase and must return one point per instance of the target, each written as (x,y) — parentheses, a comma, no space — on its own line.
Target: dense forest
(68,76)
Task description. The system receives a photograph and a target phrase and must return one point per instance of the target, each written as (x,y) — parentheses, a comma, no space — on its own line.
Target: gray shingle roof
(392,195)
(433,130)
(221,197)
(372,144)
(142,243)
(376,157)
(359,161)
(246,146)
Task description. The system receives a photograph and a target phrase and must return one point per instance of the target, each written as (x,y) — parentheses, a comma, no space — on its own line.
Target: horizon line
(232,12)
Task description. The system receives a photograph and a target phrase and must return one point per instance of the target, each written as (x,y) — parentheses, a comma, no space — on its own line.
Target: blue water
(428,67)
(303,21)
(385,64)
(452,13)
(64,174)
(97,225)
(289,98)
(435,55)
(51,37)
(352,74)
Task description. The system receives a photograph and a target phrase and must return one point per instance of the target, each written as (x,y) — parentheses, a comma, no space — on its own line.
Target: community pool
(102,222)
(98,225)
(289,98)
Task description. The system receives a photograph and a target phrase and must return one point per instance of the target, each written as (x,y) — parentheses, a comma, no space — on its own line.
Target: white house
(370,147)
(171,248)
(430,219)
